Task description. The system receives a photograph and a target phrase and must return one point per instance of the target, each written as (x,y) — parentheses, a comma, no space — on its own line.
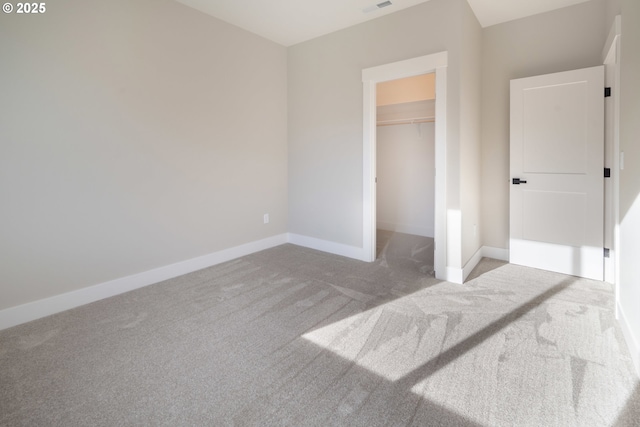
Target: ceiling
(288,22)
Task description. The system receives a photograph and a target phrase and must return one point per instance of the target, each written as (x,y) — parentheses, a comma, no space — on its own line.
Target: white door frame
(611,60)
(370,78)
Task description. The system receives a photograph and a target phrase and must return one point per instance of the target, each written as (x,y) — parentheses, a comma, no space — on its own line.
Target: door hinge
(607,172)
(606,252)
(607,92)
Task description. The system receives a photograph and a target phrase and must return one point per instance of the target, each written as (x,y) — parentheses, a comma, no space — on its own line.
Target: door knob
(518,181)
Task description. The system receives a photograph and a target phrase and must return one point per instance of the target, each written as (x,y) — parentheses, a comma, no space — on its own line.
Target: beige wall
(630,176)
(133,135)
(406,178)
(410,89)
(613,10)
(325,115)
(566,39)
(138,134)
(470,134)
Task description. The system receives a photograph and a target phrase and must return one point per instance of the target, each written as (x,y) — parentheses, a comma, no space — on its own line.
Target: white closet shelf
(406,113)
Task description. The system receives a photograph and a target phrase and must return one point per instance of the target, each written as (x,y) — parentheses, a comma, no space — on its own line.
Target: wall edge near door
(634,347)
(455,275)
(472,263)
(17,315)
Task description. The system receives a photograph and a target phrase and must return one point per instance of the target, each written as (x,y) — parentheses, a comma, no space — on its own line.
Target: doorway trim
(611,61)
(370,78)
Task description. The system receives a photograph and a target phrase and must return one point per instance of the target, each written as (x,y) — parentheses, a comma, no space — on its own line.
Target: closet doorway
(437,63)
(405,166)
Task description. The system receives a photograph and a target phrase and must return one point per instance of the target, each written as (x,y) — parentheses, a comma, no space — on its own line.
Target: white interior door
(557,155)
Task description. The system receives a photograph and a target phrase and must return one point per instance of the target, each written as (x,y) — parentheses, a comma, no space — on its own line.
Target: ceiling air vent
(377,6)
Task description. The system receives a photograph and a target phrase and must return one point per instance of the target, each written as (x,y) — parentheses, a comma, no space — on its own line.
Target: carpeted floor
(295,337)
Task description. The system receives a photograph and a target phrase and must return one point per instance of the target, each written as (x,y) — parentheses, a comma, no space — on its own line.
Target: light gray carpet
(405,252)
(295,337)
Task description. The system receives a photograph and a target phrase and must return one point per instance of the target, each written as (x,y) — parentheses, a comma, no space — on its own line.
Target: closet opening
(405,172)
(433,63)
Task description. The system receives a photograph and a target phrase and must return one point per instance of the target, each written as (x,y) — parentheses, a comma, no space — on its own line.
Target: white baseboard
(416,230)
(472,263)
(454,275)
(495,253)
(34,310)
(634,347)
(327,246)
(460,275)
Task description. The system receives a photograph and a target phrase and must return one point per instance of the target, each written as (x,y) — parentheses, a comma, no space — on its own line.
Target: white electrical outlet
(266,218)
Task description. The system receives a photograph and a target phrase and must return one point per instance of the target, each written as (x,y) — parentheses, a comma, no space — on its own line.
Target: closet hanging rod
(406,121)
